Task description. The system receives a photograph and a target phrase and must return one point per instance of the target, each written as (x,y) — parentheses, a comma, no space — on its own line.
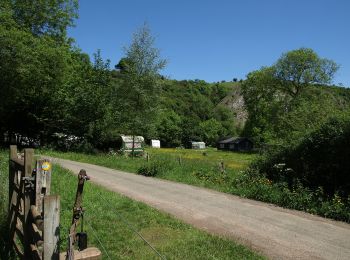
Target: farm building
(125,144)
(155,143)
(198,145)
(239,144)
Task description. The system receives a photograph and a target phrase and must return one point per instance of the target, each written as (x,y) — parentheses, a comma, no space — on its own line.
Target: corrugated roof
(128,138)
(234,140)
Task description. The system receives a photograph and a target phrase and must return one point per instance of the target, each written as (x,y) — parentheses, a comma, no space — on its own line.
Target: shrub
(321,159)
(252,184)
(155,167)
(212,175)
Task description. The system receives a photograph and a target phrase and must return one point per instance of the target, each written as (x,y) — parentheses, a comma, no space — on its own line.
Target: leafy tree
(282,101)
(44,17)
(32,70)
(47,86)
(263,102)
(211,131)
(138,95)
(123,65)
(169,128)
(223,115)
(298,68)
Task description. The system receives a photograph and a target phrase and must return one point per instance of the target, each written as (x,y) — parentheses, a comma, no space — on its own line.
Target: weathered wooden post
(222,167)
(42,182)
(12,194)
(90,253)
(26,179)
(180,160)
(51,232)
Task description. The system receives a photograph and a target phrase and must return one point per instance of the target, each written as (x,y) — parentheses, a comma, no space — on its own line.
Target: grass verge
(199,168)
(172,238)
(103,221)
(204,171)
(5,253)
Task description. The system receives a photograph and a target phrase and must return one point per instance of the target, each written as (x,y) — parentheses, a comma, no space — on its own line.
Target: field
(104,220)
(195,167)
(203,169)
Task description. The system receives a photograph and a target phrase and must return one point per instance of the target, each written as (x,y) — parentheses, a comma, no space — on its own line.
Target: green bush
(212,175)
(311,175)
(251,184)
(155,167)
(321,159)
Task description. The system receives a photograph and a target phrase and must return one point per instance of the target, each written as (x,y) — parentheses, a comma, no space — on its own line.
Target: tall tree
(298,68)
(280,98)
(139,93)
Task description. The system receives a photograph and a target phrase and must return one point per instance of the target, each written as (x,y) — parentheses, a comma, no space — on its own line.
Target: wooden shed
(238,144)
(198,145)
(125,144)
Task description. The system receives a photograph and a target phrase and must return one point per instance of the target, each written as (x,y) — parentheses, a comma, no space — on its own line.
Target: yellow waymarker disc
(46,166)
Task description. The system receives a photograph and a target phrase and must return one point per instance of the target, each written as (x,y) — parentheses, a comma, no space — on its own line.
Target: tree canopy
(49,87)
(298,68)
(138,94)
(43,17)
(288,99)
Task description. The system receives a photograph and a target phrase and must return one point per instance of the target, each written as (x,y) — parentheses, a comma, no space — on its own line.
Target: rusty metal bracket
(78,211)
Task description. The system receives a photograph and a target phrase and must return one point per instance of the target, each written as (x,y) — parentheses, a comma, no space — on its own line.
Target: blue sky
(218,40)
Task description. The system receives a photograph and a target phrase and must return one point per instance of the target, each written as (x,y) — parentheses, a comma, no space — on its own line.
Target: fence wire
(133,229)
(98,239)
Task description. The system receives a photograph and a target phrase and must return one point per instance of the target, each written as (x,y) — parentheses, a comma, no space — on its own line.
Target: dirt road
(275,232)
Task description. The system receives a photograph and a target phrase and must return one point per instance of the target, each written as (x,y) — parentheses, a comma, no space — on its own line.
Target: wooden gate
(34,215)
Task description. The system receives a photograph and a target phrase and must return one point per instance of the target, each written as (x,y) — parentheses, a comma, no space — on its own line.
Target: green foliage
(32,72)
(212,175)
(5,252)
(298,68)
(169,128)
(311,174)
(320,159)
(211,130)
(191,107)
(264,103)
(156,166)
(44,17)
(204,171)
(284,101)
(251,184)
(52,88)
(139,91)
(46,85)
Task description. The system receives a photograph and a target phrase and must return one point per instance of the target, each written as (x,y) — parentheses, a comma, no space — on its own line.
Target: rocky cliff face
(235,102)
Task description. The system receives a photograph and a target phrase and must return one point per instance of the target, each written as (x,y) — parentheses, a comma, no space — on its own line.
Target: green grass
(196,167)
(103,219)
(170,237)
(203,171)
(5,254)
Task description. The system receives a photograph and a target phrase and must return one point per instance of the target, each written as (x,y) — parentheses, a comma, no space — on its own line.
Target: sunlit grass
(104,209)
(231,159)
(195,167)
(103,218)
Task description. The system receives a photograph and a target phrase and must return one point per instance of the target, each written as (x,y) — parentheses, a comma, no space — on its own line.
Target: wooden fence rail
(31,209)
(34,214)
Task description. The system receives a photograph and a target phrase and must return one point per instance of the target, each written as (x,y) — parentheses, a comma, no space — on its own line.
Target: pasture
(205,168)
